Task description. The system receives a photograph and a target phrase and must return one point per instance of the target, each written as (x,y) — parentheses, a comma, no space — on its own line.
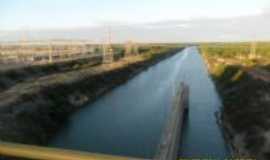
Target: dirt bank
(245,92)
(33,110)
(20,73)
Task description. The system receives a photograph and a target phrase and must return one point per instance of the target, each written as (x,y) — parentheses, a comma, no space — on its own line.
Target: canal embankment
(244,89)
(17,73)
(33,110)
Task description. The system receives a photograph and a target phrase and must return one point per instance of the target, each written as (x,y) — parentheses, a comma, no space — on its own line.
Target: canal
(129,120)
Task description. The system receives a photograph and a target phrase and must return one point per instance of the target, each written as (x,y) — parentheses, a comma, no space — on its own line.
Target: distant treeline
(231,50)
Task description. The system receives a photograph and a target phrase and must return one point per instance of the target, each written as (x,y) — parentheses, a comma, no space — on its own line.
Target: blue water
(202,136)
(129,119)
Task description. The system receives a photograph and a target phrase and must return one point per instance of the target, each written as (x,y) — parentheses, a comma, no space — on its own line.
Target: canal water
(129,120)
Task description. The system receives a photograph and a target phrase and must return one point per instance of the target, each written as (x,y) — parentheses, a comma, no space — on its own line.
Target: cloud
(204,29)
(166,25)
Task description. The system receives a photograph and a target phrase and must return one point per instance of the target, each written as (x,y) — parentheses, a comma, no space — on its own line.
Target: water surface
(129,119)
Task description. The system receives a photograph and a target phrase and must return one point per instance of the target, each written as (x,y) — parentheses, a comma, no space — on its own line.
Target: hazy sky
(42,14)
(140,20)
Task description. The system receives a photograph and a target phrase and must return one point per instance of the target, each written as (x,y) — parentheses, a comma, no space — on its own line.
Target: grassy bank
(10,77)
(243,86)
(33,110)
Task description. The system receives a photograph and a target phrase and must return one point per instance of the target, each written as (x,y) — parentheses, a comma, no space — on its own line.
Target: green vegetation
(233,50)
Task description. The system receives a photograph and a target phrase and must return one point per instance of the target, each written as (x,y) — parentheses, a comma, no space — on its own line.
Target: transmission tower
(128,48)
(107,49)
(21,46)
(135,48)
(131,48)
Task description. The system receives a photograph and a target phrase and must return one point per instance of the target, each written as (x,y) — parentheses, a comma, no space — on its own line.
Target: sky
(33,15)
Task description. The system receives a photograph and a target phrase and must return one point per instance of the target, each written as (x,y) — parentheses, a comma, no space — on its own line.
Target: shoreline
(219,115)
(226,133)
(243,115)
